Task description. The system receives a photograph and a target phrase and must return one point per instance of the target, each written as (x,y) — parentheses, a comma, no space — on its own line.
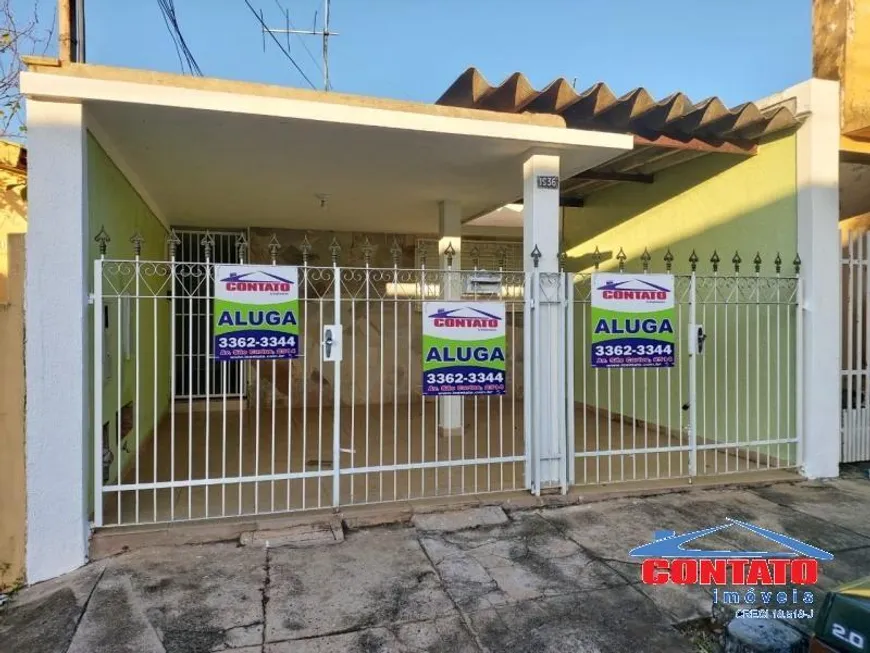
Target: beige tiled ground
(232,444)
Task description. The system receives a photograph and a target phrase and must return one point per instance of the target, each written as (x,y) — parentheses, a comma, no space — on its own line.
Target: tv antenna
(324,33)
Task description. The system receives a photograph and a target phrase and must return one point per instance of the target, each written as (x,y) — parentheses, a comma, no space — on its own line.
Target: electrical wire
(280,46)
(170,17)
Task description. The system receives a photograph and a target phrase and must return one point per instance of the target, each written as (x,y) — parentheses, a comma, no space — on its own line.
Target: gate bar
(693,377)
(336,394)
(99,326)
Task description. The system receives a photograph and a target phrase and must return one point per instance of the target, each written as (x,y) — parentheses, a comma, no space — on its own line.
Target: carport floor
(228,444)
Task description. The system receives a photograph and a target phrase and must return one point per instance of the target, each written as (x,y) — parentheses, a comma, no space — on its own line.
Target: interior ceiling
(214,169)
(854,189)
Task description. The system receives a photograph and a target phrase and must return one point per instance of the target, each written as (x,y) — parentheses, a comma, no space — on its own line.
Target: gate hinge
(91,298)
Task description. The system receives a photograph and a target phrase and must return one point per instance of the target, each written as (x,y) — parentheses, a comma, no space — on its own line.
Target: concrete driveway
(557,579)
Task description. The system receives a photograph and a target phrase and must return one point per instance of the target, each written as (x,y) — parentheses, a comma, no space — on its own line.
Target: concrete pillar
(544,364)
(819,248)
(56,351)
(450,256)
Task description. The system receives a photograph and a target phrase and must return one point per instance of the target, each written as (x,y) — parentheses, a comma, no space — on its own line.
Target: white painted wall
(56,352)
(818,167)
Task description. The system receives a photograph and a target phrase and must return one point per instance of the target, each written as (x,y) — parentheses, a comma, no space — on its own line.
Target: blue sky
(412,49)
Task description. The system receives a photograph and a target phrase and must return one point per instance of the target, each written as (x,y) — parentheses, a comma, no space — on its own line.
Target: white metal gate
(729,404)
(855,340)
(305,434)
(315,433)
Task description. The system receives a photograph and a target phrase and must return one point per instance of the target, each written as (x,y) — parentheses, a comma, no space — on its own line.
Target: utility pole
(324,33)
(71,30)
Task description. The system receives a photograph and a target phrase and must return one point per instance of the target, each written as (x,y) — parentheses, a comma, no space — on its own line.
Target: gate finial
(693,260)
(137,241)
(274,247)
(777,262)
(449,253)
(305,248)
(207,243)
(335,250)
(669,260)
(536,256)
(621,256)
(715,260)
(736,260)
(757,262)
(241,247)
(173,241)
(563,256)
(367,249)
(395,252)
(596,257)
(797,264)
(645,259)
(102,239)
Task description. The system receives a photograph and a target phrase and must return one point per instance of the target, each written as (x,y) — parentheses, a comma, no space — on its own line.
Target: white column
(56,352)
(545,385)
(818,166)
(450,239)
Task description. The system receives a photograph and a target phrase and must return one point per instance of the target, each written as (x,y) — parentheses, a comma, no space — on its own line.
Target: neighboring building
(141,183)
(841,52)
(13,224)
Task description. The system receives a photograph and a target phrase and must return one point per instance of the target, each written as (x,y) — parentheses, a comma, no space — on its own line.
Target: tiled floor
(229,444)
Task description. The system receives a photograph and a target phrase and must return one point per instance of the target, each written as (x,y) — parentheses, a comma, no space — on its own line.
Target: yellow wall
(113,204)
(13,207)
(12,484)
(13,224)
(841,51)
(716,203)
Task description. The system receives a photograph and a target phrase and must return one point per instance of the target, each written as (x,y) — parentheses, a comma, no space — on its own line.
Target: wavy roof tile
(636,112)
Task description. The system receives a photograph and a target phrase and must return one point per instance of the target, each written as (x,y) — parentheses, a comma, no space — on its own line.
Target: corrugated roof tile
(635,112)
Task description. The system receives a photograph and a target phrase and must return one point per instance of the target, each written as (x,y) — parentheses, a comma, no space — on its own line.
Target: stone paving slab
(524,559)
(841,503)
(44,618)
(614,620)
(116,616)
(460,519)
(376,578)
(447,635)
(198,597)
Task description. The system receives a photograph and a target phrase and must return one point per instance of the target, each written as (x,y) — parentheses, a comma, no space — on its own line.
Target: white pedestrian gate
(347,423)
(855,372)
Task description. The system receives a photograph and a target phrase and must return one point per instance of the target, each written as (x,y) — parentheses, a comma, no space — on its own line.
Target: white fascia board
(67,87)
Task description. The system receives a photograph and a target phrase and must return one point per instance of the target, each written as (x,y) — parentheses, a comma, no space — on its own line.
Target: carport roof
(223,154)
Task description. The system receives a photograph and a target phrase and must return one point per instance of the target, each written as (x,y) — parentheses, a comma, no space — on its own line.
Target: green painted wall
(113,204)
(721,203)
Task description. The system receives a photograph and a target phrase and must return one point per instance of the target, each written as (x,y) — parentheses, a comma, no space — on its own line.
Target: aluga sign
(463,348)
(256,312)
(632,320)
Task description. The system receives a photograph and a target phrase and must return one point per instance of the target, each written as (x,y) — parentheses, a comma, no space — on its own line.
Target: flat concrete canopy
(223,154)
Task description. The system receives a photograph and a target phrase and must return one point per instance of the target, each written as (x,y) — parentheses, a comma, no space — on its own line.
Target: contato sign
(464,348)
(632,320)
(256,312)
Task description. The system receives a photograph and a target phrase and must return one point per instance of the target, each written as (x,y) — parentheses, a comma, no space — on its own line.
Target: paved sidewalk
(546,580)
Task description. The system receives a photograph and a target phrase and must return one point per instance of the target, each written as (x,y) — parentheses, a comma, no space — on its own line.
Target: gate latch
(696,339)
(332,343)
